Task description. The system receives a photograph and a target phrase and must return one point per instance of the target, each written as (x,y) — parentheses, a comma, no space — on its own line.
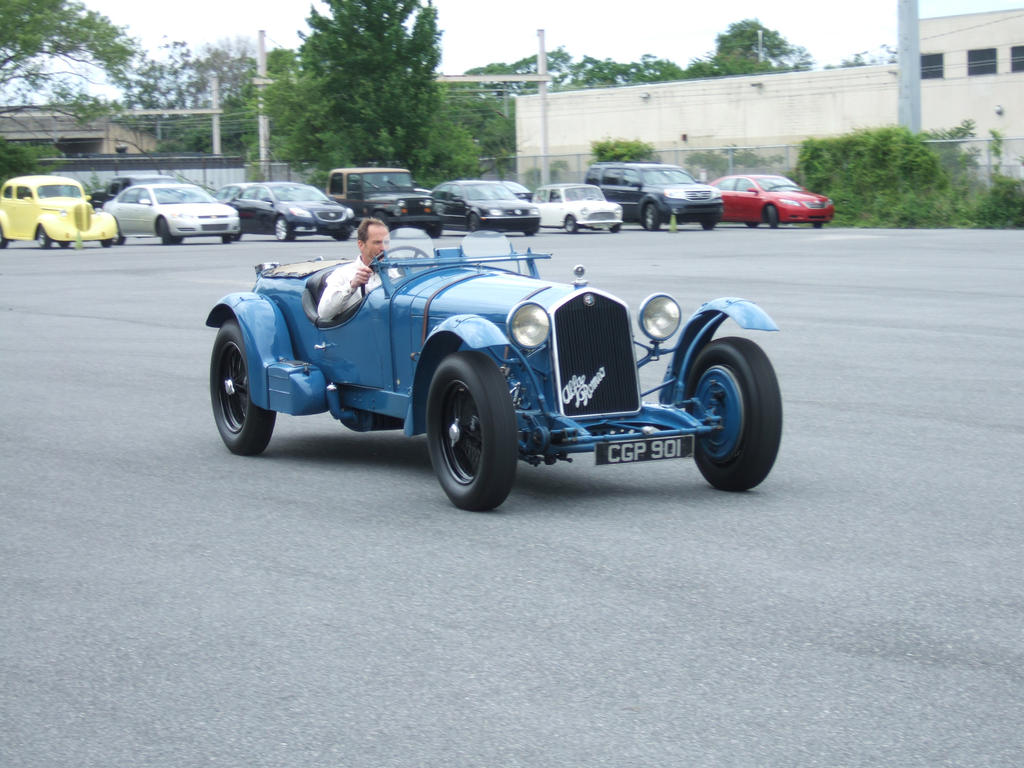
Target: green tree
(20,159)
(369,69)
(52,50)
(747,47)
(592,73)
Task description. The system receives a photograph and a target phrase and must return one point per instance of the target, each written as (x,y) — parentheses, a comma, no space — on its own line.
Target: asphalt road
(165,603)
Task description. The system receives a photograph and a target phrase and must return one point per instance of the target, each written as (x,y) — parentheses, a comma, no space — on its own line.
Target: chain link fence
(976,159)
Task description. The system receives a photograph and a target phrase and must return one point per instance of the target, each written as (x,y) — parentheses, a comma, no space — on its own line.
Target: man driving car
(349,283)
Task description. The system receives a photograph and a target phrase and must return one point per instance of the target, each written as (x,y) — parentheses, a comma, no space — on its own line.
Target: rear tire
(733,380)
(244,427)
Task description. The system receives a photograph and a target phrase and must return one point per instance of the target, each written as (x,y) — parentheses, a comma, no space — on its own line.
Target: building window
(981,61)
(1017,58)
(931,66)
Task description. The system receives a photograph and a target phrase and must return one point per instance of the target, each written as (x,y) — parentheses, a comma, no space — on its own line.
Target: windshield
(58,190)
(176,195)
(663,176)
(301,193)
(388,181)
(778,183)
(489,192)
(573,194)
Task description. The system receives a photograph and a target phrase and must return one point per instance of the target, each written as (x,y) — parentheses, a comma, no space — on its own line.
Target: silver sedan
(171,212)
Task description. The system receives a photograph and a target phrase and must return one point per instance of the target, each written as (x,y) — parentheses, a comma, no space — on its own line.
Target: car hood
(472,291)
(793,194)
(392,196)
(60,203)
(198,209)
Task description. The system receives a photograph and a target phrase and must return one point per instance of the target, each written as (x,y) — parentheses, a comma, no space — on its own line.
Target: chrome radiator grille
(594,356)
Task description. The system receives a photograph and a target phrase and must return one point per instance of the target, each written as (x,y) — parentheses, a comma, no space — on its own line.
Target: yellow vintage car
(51,209)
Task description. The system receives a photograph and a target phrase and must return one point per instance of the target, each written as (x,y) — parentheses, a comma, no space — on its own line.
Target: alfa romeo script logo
(579,391)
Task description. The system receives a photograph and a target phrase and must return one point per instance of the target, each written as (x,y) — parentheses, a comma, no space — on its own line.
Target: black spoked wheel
(471,431)
(244,426)
(735,385)
(42,239)
(650,218)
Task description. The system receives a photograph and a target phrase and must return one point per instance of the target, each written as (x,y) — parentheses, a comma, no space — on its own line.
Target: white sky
(477,32)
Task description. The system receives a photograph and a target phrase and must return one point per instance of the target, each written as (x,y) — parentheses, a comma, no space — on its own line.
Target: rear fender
(700,329)
(455,333)
(265,333)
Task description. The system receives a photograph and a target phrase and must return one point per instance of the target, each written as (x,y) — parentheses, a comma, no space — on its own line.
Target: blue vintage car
(471,346)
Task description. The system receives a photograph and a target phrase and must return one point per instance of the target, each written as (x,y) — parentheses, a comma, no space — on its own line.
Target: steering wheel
(417,252)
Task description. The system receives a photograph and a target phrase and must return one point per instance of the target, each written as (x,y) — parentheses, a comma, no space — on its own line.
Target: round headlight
(529,325)
(660,316)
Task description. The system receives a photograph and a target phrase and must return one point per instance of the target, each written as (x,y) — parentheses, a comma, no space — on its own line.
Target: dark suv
(388,194)
(652,193)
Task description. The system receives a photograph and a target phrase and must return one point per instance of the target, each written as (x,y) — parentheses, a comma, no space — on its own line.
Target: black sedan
(476,204)
(286,209)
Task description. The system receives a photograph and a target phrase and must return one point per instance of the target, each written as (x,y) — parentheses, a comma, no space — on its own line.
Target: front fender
(699,330)
(265,332)
(455,333)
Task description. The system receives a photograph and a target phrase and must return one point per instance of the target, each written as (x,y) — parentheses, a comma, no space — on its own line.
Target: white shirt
(339,294)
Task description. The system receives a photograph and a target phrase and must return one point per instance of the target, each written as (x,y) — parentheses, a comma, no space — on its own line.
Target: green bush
(1001,205)
(621,149)
(889,177)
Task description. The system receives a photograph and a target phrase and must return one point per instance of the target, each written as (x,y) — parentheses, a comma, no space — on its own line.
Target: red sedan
(772,200)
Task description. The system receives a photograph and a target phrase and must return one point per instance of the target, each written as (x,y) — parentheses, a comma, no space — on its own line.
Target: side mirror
(753,189)
(145,201)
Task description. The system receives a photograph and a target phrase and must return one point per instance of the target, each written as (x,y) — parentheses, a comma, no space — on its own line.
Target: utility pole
(264,123)
(215,95)
(910,67)
(542,70)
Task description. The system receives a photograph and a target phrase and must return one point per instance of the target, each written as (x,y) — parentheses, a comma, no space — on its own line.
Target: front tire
(282,231)
(164,233)
(570,225)
(473,223)
(771,216)
(42,239)
(244,427)
(733,381)
(471,431)
(650,218)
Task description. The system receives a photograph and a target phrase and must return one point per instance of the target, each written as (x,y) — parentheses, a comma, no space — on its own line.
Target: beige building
(972,68)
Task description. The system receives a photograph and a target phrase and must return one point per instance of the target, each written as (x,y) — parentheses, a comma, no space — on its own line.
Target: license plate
(644,449)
